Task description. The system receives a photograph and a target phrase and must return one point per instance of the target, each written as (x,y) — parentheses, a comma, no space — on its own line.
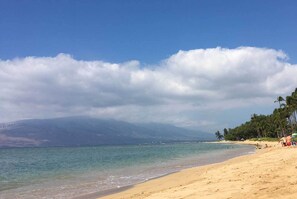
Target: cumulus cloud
(182,89)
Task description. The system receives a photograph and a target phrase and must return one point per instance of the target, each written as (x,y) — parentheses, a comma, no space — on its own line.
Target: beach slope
(269,173)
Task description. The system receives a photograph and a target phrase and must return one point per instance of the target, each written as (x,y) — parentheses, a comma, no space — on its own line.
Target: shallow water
(74,171)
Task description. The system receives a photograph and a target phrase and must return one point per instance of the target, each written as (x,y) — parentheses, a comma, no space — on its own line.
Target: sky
(203,64)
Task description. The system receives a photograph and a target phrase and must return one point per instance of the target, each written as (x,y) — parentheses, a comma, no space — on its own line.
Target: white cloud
(181,89)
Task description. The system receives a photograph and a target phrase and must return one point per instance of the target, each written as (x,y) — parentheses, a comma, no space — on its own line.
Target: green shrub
(268,139)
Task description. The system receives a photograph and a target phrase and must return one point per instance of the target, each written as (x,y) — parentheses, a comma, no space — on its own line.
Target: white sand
(269,173)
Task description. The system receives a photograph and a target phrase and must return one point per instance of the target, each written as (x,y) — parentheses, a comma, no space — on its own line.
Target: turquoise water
(69,172)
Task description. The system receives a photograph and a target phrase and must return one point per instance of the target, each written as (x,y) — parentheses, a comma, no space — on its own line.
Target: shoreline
(255,174)
(93,184)
(225,157)
(203,161)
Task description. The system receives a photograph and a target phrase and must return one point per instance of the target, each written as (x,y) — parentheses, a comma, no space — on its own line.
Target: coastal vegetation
(281,122)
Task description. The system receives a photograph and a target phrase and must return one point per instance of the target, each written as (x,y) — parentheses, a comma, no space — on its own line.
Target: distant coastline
(88,131)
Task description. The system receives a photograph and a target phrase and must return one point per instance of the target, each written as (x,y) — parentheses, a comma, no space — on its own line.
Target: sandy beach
(269,173)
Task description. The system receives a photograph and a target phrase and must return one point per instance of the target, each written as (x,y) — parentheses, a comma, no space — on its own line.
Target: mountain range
(87,131)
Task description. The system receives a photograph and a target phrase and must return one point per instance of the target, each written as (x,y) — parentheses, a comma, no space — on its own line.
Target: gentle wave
(70,172)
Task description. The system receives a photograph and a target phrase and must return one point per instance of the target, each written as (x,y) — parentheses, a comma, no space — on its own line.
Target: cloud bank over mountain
(183,89)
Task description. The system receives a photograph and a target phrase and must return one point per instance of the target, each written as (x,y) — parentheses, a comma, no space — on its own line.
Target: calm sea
(77,171)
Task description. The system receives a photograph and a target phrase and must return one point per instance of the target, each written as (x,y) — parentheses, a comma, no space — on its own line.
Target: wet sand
(269,173)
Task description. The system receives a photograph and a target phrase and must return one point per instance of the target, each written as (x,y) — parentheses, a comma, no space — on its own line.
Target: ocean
(75,172)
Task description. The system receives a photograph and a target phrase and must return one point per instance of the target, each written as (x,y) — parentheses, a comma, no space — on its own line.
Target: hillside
(86,131)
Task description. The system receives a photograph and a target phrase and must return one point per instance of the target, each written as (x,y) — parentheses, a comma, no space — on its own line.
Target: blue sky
(148,31)
(200,64)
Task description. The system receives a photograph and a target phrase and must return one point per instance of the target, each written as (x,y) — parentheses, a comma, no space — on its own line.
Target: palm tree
(291,102)
(257,123)
(280,116)
(279,100)
(219,135)
(290,110)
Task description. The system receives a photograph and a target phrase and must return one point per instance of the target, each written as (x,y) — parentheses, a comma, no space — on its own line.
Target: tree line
(281,122)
